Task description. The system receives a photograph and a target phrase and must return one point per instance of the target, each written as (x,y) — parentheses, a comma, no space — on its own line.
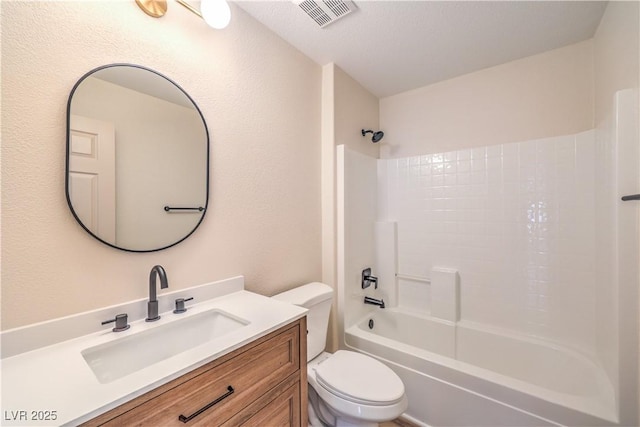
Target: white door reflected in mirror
(92,175)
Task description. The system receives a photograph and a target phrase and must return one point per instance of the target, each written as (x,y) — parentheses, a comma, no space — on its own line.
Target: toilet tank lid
(306,295)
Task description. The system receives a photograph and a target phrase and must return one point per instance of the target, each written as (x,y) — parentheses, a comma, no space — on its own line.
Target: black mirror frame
(68,133)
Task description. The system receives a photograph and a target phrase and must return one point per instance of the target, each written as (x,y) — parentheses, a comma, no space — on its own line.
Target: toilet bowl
(352,389)
(346,388)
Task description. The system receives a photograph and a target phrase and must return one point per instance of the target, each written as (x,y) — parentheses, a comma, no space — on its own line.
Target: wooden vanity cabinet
(263,383)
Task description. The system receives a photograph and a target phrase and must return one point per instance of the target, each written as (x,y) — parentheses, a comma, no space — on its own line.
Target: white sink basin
(124,356)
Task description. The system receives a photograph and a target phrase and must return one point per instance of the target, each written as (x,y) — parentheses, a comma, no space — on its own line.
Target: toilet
(346,388)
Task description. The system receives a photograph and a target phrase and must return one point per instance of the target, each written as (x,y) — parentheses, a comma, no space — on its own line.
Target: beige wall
(328,158)
(545,95)
(347,107)
(355,108)
(616,54)
(261,100)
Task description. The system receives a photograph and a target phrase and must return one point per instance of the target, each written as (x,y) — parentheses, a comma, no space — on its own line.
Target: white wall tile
(517,221)
(414,296)
(386,263)
(445,294)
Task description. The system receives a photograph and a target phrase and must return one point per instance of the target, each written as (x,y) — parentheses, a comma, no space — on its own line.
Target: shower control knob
(368,279)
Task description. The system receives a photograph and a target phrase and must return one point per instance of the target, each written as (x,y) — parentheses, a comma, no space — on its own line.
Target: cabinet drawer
(281,411)
(232,385)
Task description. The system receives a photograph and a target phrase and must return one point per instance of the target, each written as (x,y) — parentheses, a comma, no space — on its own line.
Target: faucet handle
(374,280)
(368,279)
(180,308)
(122,323)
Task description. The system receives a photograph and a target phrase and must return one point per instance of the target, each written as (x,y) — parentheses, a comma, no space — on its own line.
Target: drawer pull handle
(184,419)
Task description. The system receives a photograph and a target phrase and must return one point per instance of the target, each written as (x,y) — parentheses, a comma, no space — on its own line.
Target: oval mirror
(137,171)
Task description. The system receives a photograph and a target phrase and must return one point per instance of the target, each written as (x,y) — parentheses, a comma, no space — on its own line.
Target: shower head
(377,136)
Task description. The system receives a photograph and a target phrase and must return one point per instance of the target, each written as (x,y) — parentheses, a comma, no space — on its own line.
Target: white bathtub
(493,378)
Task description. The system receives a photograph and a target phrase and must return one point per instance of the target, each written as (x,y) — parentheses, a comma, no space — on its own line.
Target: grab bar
(413,278)
(631,197)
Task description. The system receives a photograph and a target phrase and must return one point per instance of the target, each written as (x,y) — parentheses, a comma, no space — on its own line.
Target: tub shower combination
(494,371)
(496,311)
(513,379)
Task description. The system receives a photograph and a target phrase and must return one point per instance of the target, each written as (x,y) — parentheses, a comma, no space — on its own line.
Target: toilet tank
(317,298)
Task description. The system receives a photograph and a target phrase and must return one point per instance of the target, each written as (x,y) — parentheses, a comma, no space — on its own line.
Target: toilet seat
(360,379)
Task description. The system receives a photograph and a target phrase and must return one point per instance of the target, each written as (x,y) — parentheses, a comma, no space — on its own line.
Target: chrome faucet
(373,301)
(152,305)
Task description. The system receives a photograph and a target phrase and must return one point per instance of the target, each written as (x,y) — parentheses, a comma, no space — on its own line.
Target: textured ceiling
(394,46)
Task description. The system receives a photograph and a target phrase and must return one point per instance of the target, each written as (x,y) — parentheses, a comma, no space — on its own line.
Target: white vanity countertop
(55,382)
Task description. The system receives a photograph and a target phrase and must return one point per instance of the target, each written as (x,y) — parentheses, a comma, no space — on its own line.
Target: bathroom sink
(121,357)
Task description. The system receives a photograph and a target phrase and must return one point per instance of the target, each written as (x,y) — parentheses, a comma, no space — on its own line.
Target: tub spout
(373,301)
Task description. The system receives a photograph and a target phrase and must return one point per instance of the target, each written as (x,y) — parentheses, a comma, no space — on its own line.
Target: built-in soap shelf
(414,278)
(437,296)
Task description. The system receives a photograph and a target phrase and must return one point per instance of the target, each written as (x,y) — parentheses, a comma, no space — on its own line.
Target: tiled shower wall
(518,223)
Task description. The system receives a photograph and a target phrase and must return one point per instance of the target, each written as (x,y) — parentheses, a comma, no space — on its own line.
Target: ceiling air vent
(325,12)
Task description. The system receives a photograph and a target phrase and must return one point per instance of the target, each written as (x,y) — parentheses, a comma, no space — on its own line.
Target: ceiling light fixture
(154,8)
(216,13)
